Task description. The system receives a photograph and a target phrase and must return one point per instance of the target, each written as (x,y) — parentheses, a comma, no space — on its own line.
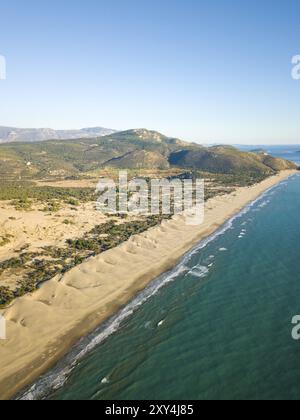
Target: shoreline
(94,291)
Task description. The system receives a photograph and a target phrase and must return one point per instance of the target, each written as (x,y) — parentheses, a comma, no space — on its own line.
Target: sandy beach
(42,327)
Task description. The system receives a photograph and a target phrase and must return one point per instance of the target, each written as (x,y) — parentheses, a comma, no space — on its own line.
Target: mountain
(132,149)
(11,135)
(228,160)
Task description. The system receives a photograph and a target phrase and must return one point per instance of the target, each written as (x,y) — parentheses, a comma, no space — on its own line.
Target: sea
(216,327)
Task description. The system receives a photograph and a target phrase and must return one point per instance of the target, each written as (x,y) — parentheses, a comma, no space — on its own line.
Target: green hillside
(140,159)
(133,149)
(228,160)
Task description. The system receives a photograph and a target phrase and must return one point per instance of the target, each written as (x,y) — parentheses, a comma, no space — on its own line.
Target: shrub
(6,295)
(72,202)
(4,241)
(52,207)
(22,204)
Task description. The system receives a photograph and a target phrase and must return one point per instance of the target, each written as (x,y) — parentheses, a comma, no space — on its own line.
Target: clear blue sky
(208,71)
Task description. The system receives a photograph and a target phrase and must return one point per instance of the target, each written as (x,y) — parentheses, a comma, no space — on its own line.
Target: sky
(206,71)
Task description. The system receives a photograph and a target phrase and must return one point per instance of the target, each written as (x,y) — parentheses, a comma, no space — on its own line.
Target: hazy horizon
(205,143)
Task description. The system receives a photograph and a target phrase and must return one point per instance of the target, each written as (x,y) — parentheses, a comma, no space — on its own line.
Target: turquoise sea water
(220,328)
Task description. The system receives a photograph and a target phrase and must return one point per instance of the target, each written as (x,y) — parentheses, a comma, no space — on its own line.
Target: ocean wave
(264,204)
(199,271)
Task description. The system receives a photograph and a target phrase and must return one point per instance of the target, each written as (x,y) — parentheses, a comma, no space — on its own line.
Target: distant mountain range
(31,135)
(132,149)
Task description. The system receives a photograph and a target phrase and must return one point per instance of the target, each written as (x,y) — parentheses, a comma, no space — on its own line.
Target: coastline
(85,297)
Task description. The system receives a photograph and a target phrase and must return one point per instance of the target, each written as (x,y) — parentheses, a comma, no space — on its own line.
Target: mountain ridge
(31,135)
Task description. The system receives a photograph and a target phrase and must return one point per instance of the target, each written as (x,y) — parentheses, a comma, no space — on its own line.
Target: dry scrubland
(50,226)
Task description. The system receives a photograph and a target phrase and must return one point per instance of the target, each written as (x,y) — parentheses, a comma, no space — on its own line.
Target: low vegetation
(23,194)
(37,268)
(4,240)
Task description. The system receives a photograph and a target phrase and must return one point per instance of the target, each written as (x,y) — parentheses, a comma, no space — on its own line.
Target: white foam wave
(199,271)
(264,204)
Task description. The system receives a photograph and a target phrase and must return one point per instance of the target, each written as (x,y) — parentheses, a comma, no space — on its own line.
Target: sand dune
(43,326)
